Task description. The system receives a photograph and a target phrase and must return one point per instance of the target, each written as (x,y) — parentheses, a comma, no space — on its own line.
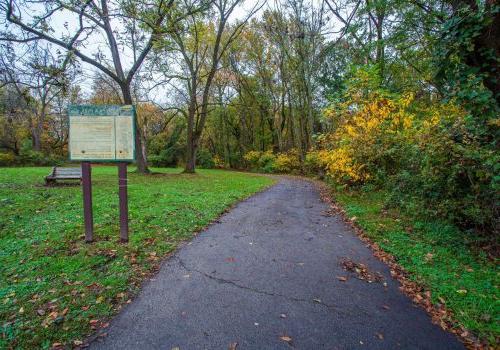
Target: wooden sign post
(122,194)
(87,201)
(102,134)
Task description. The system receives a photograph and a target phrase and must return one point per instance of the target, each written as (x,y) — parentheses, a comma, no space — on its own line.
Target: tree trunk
(141,162)
(191,143)
(37,139)
(38,127)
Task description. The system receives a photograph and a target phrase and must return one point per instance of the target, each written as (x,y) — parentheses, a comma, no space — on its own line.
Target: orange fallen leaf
(286,338)
(342,278)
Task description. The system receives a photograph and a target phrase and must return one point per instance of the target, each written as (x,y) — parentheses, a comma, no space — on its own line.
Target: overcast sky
(65,23)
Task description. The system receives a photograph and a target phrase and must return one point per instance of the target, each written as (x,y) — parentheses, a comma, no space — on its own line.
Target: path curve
(265,276)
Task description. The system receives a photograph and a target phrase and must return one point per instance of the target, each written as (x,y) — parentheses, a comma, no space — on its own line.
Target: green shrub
(204,159)
(166,158)
(267,162)
(35,158)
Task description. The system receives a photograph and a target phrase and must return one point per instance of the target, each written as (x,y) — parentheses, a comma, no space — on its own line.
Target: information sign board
(101,133)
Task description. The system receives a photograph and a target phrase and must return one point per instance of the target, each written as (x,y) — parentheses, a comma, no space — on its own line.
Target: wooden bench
(59,173)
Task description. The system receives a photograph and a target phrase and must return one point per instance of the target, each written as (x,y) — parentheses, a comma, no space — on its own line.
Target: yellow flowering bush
(252,159)
(287,162)
(365,135)
(219,162)
(6,159)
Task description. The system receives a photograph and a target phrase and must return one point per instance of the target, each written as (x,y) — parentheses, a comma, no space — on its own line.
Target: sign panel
(101,133)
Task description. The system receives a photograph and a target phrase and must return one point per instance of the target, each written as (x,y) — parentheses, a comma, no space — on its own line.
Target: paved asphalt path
(267,269)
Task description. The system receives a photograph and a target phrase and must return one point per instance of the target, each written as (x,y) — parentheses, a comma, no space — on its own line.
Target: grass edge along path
(458,288)
(55,290)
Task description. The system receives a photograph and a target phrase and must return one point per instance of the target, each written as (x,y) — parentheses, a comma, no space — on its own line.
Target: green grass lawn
(54,288)
(436,256)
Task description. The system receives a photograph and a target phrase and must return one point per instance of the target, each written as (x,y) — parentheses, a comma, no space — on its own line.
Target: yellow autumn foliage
(364,130)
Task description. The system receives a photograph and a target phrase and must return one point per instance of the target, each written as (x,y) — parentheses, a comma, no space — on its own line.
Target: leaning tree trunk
(142,165)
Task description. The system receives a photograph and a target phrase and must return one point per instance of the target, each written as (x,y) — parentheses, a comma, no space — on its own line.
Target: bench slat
(64,174)
(67,176)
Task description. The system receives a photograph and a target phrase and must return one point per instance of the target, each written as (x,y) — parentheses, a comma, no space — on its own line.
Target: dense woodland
(399,95)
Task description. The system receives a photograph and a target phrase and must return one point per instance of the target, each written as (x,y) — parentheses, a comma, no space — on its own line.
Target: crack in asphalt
(255,290)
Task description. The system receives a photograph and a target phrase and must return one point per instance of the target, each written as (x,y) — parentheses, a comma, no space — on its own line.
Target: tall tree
(201,40)
(141,23)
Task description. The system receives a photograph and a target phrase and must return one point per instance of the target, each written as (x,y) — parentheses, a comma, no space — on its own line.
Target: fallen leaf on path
(233,346)
(283,316)
(380,336)
(342,278)
(361,270)
(230,259)
(286,338)
(317,300)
